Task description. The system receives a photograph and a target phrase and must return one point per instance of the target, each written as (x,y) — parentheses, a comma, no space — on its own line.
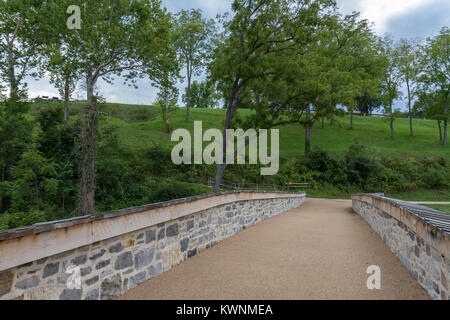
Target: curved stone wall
(415,234)
(103,256)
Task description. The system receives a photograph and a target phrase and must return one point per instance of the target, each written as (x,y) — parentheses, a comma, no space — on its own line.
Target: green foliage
(15,137)
(21,39)
(434,79)
(34,182)
(363,170)
(127,113)
(203,95)
(193,41)
(369,102)
(170,189)
(20,219)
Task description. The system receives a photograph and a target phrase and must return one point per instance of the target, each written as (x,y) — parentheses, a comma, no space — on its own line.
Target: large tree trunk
(88,146)
(219,176)
(66,99)
(410,110)
(440,130)
(231,108)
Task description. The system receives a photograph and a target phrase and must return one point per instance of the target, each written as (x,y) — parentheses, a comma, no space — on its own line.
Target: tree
(20,42)
(429,105)
(369,102)
(62,62)
(391,80)
(434,77)
(117,38)
(352,62)
(203,95)
(263,49)
(193,41)
(408,70)
(167,100)
(164,72)
(15,137)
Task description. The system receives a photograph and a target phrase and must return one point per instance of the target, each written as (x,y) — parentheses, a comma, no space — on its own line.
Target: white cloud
(380,11)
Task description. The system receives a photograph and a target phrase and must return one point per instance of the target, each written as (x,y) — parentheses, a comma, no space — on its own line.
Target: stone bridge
(238,245)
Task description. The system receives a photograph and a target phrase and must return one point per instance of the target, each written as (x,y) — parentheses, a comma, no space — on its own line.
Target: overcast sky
(400,18)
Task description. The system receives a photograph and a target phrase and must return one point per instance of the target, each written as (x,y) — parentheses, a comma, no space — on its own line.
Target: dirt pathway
(318,251)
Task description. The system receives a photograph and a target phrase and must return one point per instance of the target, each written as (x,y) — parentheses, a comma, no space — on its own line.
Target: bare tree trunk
(13,87)
(410,110)
(392,123)
(392,128)
(219,176)
(323,122)
(66,99)
(231,108)
(88,146)
(10,39)
(440,131)
(444,140)
(166,113)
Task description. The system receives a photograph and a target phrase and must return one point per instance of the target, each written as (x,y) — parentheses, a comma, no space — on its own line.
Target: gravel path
(318,251)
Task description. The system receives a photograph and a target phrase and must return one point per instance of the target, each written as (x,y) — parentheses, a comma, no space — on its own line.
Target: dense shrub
(18,219)
(169,190)
(364,170)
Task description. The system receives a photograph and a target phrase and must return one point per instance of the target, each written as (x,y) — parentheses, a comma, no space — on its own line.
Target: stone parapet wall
(147,241)
(421,247)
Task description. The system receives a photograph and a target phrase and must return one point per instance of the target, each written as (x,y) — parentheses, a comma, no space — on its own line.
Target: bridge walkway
(319,251)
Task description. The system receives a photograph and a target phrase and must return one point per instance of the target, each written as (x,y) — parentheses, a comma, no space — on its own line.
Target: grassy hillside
(140,127)
(367,130)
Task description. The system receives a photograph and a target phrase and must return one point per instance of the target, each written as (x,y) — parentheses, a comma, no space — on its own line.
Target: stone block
(123,261)
(6,281)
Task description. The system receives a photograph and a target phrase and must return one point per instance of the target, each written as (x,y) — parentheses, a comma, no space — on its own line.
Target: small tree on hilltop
(193,41)
(434,64)
(391,80)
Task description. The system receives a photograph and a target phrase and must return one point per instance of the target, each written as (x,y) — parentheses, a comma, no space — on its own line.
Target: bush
(170,190)
(18,219)
(362,170)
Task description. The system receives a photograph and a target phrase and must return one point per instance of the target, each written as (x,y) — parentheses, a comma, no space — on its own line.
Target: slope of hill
(141,127)
(371,131)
